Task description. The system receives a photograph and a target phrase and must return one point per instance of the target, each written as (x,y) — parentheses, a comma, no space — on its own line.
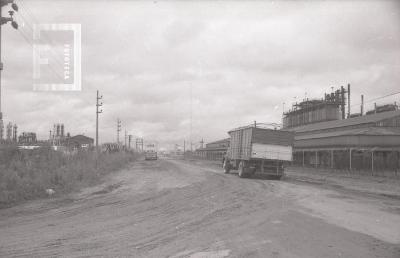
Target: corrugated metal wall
(308,116)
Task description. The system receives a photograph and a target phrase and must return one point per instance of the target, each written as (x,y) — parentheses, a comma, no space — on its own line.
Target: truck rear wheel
(242,170)
(227,167)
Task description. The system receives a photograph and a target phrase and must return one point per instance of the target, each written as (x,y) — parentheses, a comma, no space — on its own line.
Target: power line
(382,97)
(27,38)
(25,30)
(42,40)
(31,44)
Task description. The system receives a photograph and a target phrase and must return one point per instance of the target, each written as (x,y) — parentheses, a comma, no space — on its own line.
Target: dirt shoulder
(364,184)
(385,186)
(168,208)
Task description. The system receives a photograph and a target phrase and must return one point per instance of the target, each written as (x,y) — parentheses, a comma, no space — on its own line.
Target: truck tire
(253,171)
(227,167)
(242,170)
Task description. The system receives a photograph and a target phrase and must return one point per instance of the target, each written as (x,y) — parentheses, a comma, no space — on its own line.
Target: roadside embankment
(373,184)
(363,183)
(26,175)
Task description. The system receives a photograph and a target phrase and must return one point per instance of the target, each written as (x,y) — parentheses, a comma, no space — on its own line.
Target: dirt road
(169,208)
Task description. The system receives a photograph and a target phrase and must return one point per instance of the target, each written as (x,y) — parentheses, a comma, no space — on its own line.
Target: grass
(26,174)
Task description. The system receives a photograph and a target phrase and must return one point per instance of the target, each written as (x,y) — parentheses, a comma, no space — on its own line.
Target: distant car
(150,155)
(150,152)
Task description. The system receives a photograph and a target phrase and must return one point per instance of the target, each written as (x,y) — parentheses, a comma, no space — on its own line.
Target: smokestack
(342,102)
(62,130)
(362,104)
(375,107)
(58,130)
(15,133)
(348,100)
(9,132)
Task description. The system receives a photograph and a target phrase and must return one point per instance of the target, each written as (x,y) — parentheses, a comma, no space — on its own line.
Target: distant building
(27,138)
(57,136)
(9,130)
(383,108)
(369,142)
(309,111)
(80,142)
(214,150)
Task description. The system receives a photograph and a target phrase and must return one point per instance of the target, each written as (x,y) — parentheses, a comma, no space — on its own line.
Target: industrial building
(79,142)
(326,136)
(27,138)
(214,150)
(369,142)
(331,107)
(57,136)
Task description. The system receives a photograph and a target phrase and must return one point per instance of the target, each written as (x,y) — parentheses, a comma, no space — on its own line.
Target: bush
(26,174)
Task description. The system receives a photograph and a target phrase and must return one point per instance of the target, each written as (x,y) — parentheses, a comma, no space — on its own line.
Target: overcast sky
(242,60)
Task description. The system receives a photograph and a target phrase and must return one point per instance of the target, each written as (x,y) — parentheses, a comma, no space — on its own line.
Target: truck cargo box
(260,143)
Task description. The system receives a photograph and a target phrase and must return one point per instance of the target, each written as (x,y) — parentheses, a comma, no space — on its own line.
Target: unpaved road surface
(169,208)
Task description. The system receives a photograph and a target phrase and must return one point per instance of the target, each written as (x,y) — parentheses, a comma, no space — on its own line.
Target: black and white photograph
(200,128)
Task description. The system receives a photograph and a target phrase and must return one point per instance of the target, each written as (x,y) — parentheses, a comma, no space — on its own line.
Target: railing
(274,126)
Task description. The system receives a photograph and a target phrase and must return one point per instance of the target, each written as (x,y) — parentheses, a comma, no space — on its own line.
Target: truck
(150,152)
(256,149)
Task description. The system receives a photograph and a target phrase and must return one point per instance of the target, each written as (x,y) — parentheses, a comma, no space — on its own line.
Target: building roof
(370,131)
(220,141)
(346,122)
(82,139)
(213,149)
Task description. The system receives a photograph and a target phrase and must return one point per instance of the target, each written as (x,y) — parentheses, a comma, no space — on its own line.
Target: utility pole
(125,138)
(118,129)
(139,144)
(191,116)
(130,139)
(4,20)
(97,117)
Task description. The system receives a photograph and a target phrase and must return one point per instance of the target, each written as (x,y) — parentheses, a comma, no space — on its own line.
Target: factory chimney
(15,133)
(62,130)
(348,100)
(343,102)
(58,130)
(362,105)
(9,131)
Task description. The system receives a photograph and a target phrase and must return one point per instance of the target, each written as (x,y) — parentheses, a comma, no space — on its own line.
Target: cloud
(223,64)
